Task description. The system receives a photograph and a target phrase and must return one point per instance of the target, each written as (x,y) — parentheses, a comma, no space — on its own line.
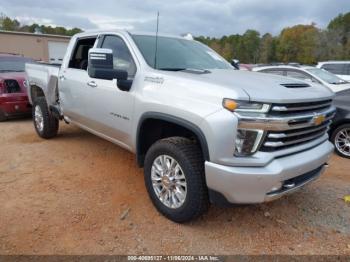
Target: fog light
(276,187)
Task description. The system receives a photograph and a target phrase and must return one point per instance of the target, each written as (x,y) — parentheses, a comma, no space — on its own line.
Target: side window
(337,69)
(80,55)
(274,72)
(122,58)
(298,75)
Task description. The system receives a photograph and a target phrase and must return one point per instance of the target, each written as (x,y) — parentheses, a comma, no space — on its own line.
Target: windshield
(326,76)
(13,64)
(176,54)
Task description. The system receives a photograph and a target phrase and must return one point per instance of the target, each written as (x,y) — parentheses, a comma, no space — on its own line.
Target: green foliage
(298,43)
(305,44)
(267,50)
(9,24)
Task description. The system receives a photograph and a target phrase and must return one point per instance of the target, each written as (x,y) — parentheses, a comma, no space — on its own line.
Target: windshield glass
(175,54)
(13,64)
(326,76)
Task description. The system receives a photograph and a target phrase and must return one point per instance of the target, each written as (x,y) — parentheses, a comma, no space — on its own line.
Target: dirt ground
(79,194)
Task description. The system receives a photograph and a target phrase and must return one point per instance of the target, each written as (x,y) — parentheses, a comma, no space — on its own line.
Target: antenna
(155,54)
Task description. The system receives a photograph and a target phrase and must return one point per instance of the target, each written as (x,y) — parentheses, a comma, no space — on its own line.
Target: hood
(260,87)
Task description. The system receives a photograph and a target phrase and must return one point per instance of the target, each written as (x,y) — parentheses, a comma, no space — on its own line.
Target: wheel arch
(338,123)
(170,121)
(36,91)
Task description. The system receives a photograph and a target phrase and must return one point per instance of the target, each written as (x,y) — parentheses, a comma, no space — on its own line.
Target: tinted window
(79,59)
(122,58)
(298,75)
(338,69)
(326,76)
(178,53)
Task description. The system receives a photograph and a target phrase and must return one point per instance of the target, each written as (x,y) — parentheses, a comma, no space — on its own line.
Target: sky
(198,17)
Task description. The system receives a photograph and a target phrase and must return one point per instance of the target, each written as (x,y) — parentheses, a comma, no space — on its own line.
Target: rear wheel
(341,140)
(46,125)
(174,177)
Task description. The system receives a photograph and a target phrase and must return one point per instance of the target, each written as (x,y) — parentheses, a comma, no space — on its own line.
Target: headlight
(247,141)
(244,106)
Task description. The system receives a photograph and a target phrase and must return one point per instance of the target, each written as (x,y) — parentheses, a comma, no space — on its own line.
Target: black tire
(333,138)
(50,123)
(2,116)
(189,156)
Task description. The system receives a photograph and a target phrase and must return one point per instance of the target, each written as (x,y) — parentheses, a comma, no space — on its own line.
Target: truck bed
(44,76)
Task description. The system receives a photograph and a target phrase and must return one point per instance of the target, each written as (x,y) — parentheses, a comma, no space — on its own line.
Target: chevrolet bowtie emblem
(318,120)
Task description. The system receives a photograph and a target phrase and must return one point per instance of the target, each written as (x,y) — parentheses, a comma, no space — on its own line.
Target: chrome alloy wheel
(169,181)
(342,141)
(38,118)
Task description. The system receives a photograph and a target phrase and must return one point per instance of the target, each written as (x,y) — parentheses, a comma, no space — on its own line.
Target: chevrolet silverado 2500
(204,132)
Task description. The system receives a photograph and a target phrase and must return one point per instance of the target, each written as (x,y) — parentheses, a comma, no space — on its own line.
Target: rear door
(110,109)
(74,80)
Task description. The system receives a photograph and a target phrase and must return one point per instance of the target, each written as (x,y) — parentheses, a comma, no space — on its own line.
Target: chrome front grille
(281,140)
(298,108)
(306,122)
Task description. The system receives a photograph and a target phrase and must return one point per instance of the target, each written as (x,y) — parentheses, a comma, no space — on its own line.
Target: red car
(13,91)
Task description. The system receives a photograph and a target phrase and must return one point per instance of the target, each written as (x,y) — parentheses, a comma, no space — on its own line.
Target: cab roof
(103,32)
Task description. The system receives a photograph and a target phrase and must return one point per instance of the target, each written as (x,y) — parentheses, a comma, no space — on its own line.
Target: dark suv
(340,129)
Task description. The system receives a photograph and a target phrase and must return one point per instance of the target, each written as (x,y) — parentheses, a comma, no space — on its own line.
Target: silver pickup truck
(204,132)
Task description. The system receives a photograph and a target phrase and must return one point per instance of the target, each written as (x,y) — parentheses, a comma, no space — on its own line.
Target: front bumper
(248,185)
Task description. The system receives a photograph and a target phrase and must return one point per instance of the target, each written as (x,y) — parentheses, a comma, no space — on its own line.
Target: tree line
(8,24)
(306,44)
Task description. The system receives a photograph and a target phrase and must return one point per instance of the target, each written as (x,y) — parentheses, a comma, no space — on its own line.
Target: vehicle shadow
(19,119)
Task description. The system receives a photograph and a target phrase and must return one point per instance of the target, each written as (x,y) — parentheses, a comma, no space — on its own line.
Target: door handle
(92,84)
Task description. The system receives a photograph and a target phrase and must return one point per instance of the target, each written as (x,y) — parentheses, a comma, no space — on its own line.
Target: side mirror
(235,63)
(100,65)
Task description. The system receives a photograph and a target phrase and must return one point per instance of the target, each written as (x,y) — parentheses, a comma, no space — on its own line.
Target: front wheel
(46,125)
(174,178)
(341,140)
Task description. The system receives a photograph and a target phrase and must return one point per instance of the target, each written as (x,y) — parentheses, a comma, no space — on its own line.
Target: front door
(110,109)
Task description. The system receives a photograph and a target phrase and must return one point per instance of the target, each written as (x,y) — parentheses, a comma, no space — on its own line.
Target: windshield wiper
(339,83)
(171,69)
(192,70)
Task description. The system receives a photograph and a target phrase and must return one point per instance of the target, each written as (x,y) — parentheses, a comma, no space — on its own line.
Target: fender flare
(175,120)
